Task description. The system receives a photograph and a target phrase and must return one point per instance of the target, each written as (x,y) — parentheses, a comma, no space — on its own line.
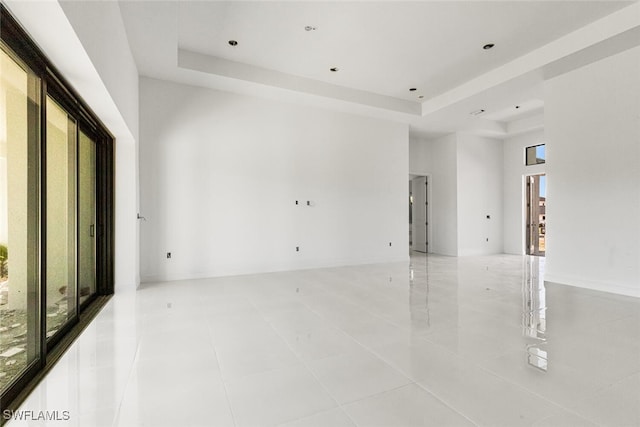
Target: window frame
(526,157)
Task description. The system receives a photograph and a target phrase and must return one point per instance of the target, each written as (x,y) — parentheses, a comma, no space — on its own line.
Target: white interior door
(420,220)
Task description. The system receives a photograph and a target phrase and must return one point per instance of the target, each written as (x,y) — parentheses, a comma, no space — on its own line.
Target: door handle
(92,229)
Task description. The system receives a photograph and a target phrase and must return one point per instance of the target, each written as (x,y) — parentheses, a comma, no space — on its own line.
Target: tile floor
(443,342)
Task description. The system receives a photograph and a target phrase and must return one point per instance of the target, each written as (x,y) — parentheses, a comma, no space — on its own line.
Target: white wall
(479,191)
(420,165)
(442,168)
(419,156)
(220,174)
(514,172)
(466,183)
(593,168)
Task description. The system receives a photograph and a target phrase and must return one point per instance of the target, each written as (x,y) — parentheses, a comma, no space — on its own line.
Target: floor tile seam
(315,377)
(600,384)
(609,296)
(358,305)
(391,322)
(572,341)
(324,387)
(342,331)
(617,319)
(368,349)
(479,423)
(414,381)
(571,413)
(506,379)
(482,334)
(606,387)
(116,418)
(501,321)
(346,335)
(447,404)
(586,324)
(580,415)
(468,362)
(228,381)
(379,393)
(223,381)
(533,392)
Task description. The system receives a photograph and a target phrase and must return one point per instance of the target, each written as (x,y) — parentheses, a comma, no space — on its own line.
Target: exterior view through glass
(19,145)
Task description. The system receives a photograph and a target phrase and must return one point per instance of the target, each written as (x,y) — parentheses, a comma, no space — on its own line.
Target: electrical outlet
(168,255)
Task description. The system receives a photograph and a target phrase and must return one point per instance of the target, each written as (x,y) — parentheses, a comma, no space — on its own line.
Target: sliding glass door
(19,206)
(86,217)
(56,212)
(60,217)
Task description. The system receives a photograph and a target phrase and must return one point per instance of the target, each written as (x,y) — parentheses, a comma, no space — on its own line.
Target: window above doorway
(535,155)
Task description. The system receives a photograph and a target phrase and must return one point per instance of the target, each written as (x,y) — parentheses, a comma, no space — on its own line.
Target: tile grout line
(310,371)
(116,418)
(396,368)
(222,377)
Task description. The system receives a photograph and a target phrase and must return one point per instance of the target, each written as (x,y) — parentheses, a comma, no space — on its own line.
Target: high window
(535,155)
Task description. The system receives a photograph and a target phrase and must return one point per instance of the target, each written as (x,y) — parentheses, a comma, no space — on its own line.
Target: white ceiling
(381,49)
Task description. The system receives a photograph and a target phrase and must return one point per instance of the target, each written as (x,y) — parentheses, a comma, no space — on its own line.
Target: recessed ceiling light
(334,69)
(413,89)
(477,112)
(517,106)
(310,28)
(488,46)
(233,43)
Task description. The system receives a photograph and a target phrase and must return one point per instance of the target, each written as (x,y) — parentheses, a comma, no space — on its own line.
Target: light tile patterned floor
(442,342)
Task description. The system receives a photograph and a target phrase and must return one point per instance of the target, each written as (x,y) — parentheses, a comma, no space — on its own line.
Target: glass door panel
(19,200)
(87,217)
(61,218)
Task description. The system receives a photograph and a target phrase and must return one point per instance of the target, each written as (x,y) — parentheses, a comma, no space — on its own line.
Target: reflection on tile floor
(444,341)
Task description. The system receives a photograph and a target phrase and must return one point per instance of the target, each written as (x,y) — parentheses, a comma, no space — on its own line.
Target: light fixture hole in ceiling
(334,69)
(421,96)
(413,89)
(310,28)
(233,43)
(477,112)
(488,46)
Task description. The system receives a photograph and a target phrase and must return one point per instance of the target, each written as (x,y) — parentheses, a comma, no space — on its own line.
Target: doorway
(419,214)
(536,214)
